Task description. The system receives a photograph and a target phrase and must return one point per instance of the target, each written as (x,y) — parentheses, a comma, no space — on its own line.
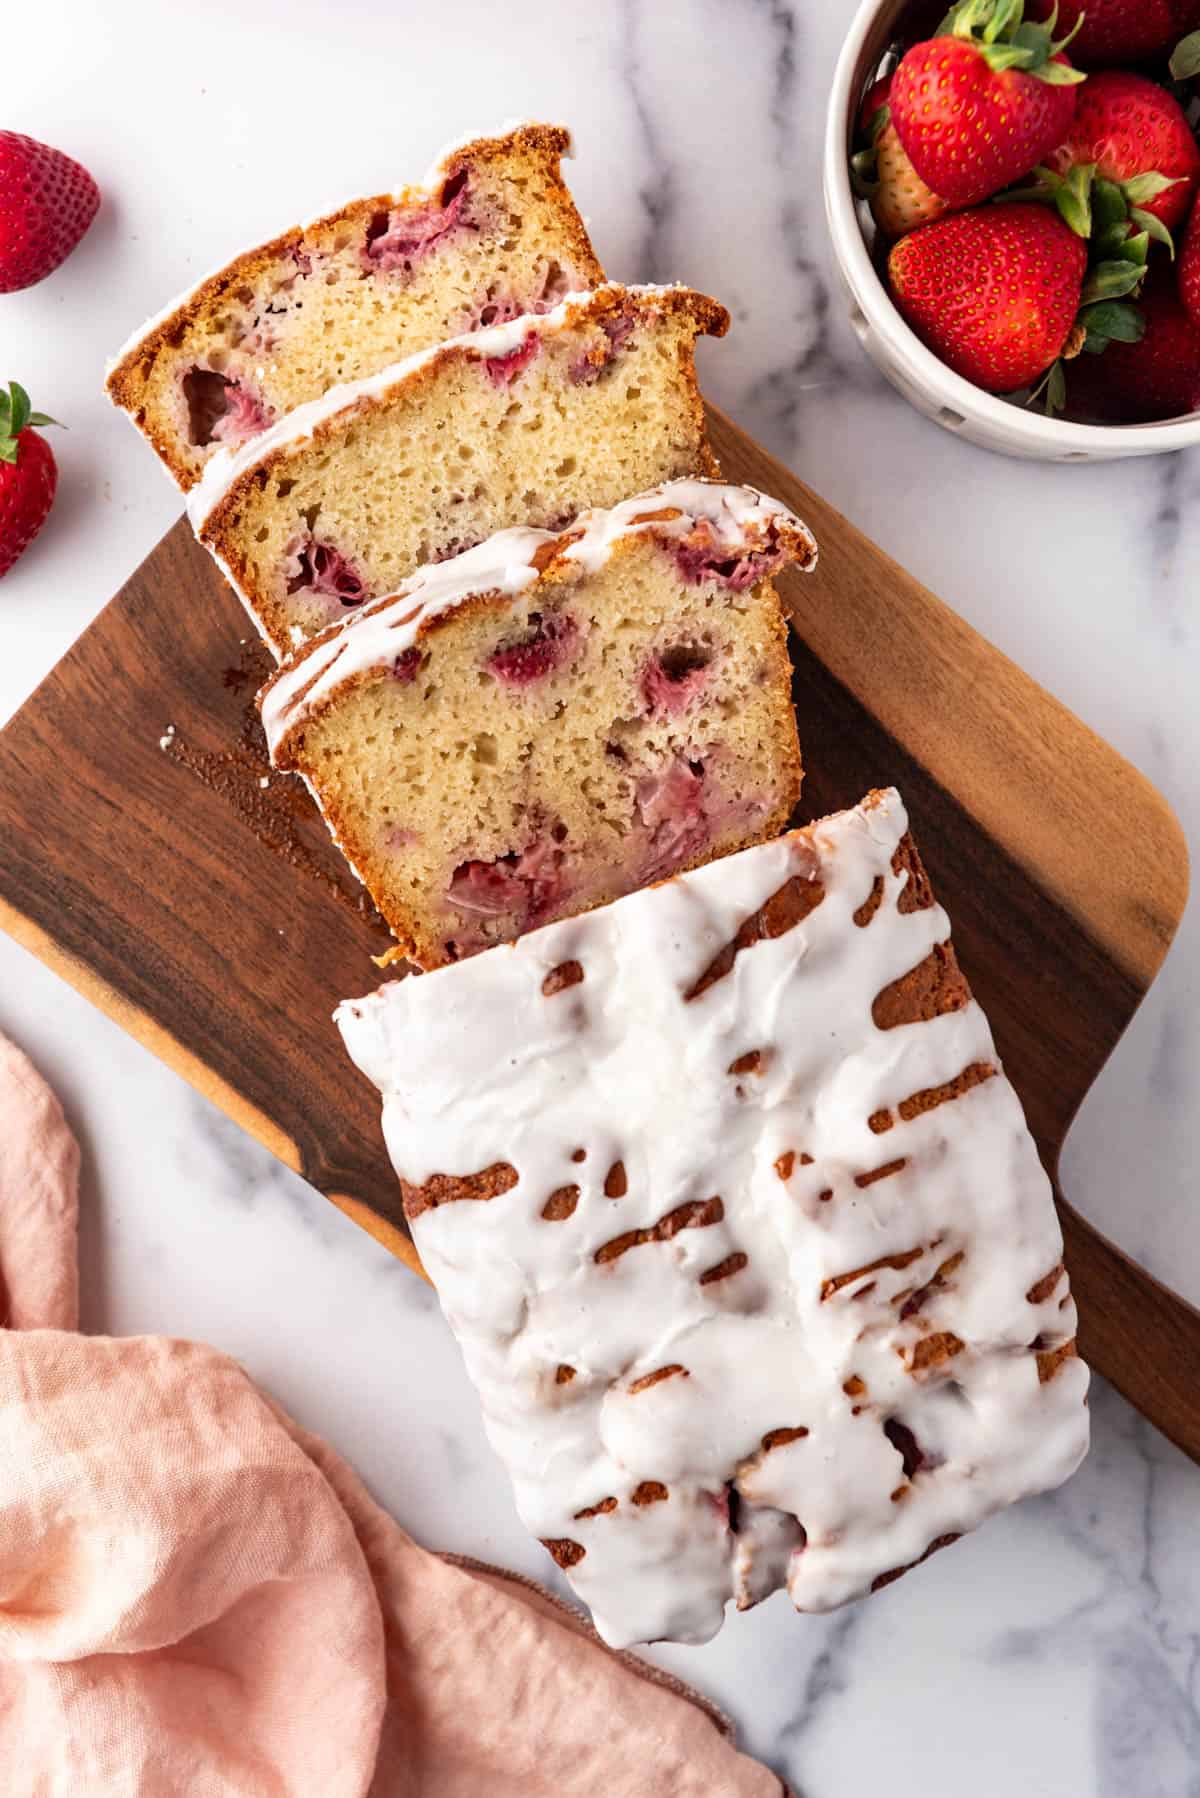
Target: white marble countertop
(1057,1653)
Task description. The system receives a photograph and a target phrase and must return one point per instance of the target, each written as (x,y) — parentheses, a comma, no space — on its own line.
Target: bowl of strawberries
(1011,187)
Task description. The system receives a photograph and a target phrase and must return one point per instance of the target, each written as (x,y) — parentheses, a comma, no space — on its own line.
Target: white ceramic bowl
(932,387)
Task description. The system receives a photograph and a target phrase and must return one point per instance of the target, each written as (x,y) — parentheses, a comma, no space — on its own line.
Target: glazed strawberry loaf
(525,423)
(545,722)
(492,234)
(742,1231)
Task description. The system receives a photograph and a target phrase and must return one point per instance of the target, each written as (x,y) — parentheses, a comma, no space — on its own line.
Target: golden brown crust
(129,378)
(886,1579)
(694,1214)
(448,1189)
(785,908)
(917,893)
(930,1097)
(567,974)
(563,1550)
(1041,1289)
(934,1351)
(660,1373)
(1049,1361)
(896,1262)
(725,1270)
(561,1204)
(935,986)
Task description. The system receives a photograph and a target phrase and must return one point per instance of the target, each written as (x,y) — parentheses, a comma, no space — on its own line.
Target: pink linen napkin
(198,1598)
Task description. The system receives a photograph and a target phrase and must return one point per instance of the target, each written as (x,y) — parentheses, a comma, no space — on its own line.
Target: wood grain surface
(150,858)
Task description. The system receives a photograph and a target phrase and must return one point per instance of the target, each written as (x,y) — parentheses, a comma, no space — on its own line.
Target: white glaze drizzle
(505,564)
(478,1067)
(229,465)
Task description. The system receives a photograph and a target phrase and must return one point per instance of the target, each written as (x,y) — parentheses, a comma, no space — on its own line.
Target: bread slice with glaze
(547,722)
(526,423)
(492,233)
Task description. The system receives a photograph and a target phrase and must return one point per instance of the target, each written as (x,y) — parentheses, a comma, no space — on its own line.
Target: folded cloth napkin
(198,1598)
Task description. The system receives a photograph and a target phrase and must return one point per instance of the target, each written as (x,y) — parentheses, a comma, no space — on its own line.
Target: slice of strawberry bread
(493,233)
(524,423)
(546,722)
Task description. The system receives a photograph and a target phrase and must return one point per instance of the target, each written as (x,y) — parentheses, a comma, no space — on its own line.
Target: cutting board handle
(1142,1337)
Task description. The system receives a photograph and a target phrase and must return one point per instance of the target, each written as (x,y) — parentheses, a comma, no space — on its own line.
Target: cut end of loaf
(493,234)
(532,755)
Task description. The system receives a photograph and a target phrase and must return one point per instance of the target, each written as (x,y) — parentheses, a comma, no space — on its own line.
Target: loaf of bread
(740,1227)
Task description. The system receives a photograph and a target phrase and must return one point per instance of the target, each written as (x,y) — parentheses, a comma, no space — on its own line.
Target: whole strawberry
(1155,378)
(1133,132)
(47,202)
(28,475)
(983,103)
(994,292)
(1115,31)
(1189,268)
(899,199)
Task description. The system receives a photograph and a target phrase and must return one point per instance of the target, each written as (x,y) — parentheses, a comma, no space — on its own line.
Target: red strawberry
(1115,31)
(546,645)
(1131,129)
(1158,377)
(47,202)
(984,103)
(994,292)
(1189,267)
(28,475)
(900,200)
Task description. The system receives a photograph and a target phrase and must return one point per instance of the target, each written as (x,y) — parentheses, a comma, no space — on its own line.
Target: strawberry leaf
(1153,226)
(1005,39)
(1063,43)
(1111,321)
(1112,281)
(1073,197)
(1005,14)
(1008,56)
(15,415)
(18,409)
(44,418)
(1051,390)
(1108,205)
(1059,74)
(1185,60)
(1035,38)
(1148,186)
(1056,391)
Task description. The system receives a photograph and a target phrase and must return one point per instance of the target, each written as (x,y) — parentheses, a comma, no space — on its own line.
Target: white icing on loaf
(827,1284)
(506,563)
(227,466)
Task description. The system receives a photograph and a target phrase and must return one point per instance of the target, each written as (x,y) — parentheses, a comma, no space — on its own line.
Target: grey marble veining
(1056,1653)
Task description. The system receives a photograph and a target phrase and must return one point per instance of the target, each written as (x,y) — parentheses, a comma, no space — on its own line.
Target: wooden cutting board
(147,855)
